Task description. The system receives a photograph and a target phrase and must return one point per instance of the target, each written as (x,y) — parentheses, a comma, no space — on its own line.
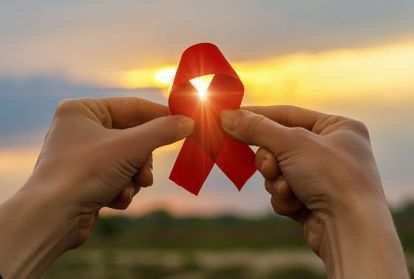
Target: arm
(97,153)
(320,171)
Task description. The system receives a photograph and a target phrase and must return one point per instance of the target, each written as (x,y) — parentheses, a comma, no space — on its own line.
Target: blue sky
(50,50)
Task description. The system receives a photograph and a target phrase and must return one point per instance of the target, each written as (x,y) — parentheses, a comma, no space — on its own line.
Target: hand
(97,153)
(320,171)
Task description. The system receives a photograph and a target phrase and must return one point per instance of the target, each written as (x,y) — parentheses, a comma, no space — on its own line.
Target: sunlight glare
(378,73)
(201,84)
(149,77)
(165,76)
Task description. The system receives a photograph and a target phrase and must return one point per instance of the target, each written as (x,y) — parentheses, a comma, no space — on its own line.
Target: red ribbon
(208,144)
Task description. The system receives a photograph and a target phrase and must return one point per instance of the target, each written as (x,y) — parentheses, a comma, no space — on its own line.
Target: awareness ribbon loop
(208,145)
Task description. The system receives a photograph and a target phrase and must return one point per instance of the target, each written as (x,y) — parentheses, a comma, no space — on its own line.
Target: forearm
(362,242)
(32,235)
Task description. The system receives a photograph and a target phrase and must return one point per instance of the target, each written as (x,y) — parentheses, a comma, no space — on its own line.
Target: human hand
(97,153)
(320,171)
(103,151)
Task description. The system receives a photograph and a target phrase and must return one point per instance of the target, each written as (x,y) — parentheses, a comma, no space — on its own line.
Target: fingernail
(186,125)
(229,120)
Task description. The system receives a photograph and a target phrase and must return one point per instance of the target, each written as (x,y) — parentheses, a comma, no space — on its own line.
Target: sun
(161,77)
(201,84)
(165,76)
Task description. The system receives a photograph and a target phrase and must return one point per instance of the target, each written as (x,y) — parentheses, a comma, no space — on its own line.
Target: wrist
(361,241)
(34,230)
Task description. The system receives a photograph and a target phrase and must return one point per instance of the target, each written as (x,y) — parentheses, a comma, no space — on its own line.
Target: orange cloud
(382,72)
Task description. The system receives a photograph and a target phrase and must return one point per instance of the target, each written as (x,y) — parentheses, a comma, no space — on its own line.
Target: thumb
(259,130)
(137,142)
(164,130)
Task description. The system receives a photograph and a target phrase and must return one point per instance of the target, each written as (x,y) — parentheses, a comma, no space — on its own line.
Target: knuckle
(359,126)
(67,106)
(299,132)
(279,207)
(281,187)
(329,121)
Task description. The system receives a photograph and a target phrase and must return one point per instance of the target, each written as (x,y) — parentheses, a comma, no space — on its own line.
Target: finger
(135,144)
(128,112)
(266,163)
(284,200)
(145,178)
(162,131)
(259,130)
(290,116)
(118,112)
(124,198)
(282,208)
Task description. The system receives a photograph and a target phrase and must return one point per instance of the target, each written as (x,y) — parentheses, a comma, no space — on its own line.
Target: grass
(161,246)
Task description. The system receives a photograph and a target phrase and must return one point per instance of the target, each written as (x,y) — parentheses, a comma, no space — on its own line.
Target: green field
(161,246)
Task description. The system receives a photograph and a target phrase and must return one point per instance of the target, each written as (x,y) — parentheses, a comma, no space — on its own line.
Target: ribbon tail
(237,161)
(191,167)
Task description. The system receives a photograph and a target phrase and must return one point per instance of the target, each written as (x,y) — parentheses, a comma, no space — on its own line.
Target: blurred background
(354,58)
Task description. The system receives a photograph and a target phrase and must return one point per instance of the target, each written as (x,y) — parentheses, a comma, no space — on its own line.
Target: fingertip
(284,207)
(145,177)
(267,164)
(260,157)
(285,202)
(123,200)
(282,189)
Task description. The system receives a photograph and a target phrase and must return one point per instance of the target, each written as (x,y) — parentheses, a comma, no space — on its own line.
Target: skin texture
(97,153)
(320,171)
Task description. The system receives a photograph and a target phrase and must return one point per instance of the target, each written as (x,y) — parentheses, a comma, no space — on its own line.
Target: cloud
(88,39)
(28,104)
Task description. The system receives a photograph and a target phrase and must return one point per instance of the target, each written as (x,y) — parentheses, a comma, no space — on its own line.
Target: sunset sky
(354,58)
